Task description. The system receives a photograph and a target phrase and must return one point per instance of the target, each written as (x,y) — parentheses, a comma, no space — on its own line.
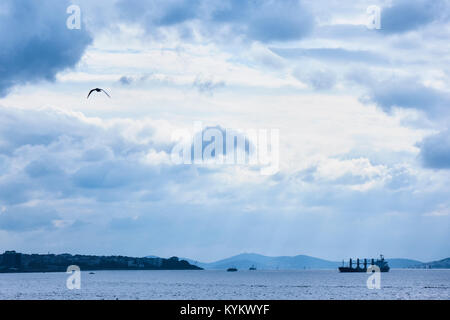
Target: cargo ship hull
(347,269)
(363,265)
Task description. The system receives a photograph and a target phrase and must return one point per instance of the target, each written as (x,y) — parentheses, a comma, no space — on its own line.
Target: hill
(440,264)
(245,260)
(403,263)
(12,261)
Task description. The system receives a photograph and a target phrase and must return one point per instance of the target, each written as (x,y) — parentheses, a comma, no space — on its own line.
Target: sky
(362,113)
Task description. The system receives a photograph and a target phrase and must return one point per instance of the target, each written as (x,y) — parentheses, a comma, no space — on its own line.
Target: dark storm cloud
(35,42)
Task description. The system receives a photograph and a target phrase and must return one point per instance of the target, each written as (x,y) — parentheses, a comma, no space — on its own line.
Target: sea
(217,284)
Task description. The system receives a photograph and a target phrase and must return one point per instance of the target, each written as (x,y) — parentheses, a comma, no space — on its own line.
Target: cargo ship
(362,265)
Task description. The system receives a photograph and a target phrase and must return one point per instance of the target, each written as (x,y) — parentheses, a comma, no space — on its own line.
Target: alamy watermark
(74,280)
(74,20)
(216,146)
(374,17)
(374,280)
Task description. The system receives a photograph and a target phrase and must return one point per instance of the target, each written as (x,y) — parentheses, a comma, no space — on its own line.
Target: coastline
(15,262)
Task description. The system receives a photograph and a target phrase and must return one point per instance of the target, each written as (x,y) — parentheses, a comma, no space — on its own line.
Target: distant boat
(362,267)
(252,268)
(232,269)
(91,272)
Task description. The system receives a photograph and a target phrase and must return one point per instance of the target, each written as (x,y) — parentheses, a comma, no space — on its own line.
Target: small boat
(91,272)
(252,268)
(232,269)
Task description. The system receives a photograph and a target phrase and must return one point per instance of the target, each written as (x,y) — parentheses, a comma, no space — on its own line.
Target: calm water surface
(207,284)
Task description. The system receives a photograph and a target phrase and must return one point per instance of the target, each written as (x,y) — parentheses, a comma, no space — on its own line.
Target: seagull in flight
(98,90)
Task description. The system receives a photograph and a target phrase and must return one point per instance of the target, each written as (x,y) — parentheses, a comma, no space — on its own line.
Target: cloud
(266,20)
(331,54)
(344,32)
(100,176)
(62,154)
(357,174)
(40,129)
(26,219)
(239,141)
(318,79)
(40,45)
(263,21)
(435,151)
(207,85)
(138,79)
(155,13)
(440,211)
(124,80)
(402,92)
(407,94)
(407,15)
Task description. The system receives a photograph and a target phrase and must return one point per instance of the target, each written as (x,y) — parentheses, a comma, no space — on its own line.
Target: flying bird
(98,90)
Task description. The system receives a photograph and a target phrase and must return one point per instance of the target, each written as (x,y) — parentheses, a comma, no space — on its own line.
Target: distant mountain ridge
(246,260)
(440,264)
(400,263)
